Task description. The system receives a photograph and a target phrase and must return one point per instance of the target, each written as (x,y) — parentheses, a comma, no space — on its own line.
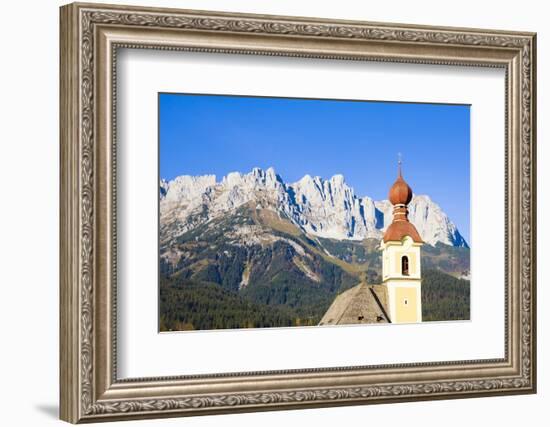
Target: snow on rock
(329,208)
(323,208)
(433,224)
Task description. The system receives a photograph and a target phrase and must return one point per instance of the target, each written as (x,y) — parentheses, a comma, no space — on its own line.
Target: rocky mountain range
(321,208)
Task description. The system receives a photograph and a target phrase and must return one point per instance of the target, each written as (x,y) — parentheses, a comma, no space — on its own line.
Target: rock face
(321,208)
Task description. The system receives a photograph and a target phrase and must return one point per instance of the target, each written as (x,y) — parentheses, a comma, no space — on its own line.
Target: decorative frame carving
(90,36)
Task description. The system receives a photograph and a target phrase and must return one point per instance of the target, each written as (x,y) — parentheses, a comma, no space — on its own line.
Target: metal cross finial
(399,161)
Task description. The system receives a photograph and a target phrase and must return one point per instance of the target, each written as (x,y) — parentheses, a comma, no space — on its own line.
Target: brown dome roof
(400,192)
(399,229)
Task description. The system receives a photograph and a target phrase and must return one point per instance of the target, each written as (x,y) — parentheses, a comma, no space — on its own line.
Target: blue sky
(204,134)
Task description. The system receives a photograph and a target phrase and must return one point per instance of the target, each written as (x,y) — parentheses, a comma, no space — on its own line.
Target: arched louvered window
(405,265)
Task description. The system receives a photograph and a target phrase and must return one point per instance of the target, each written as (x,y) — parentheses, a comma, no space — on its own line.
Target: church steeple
(401,257)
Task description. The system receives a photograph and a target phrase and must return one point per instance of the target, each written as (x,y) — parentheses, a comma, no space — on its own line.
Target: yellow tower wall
(406,305)
(404,291)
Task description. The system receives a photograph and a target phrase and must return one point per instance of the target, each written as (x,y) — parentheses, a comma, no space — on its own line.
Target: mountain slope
(263,259)
(187,305)
(444,297)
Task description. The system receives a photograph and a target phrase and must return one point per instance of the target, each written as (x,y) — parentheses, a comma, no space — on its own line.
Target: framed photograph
(266,212)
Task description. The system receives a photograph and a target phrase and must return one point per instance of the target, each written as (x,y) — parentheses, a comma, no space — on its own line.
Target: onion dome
(400,192)
(400,195)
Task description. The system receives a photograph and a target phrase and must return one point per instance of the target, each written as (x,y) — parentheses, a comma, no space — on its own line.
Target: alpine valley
(253,251)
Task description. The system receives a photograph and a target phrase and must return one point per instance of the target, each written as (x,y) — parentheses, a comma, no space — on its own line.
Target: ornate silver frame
(90,36)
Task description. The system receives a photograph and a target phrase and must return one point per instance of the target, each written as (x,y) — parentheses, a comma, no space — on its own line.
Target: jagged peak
(338,179)
(335,180)
(274,176)
(422,197)
(257,171)
(191,178)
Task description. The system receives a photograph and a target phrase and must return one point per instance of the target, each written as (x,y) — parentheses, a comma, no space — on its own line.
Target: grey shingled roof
(361,304)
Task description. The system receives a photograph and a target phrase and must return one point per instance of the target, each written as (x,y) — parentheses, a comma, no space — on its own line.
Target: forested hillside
(188,304)
(444,297)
